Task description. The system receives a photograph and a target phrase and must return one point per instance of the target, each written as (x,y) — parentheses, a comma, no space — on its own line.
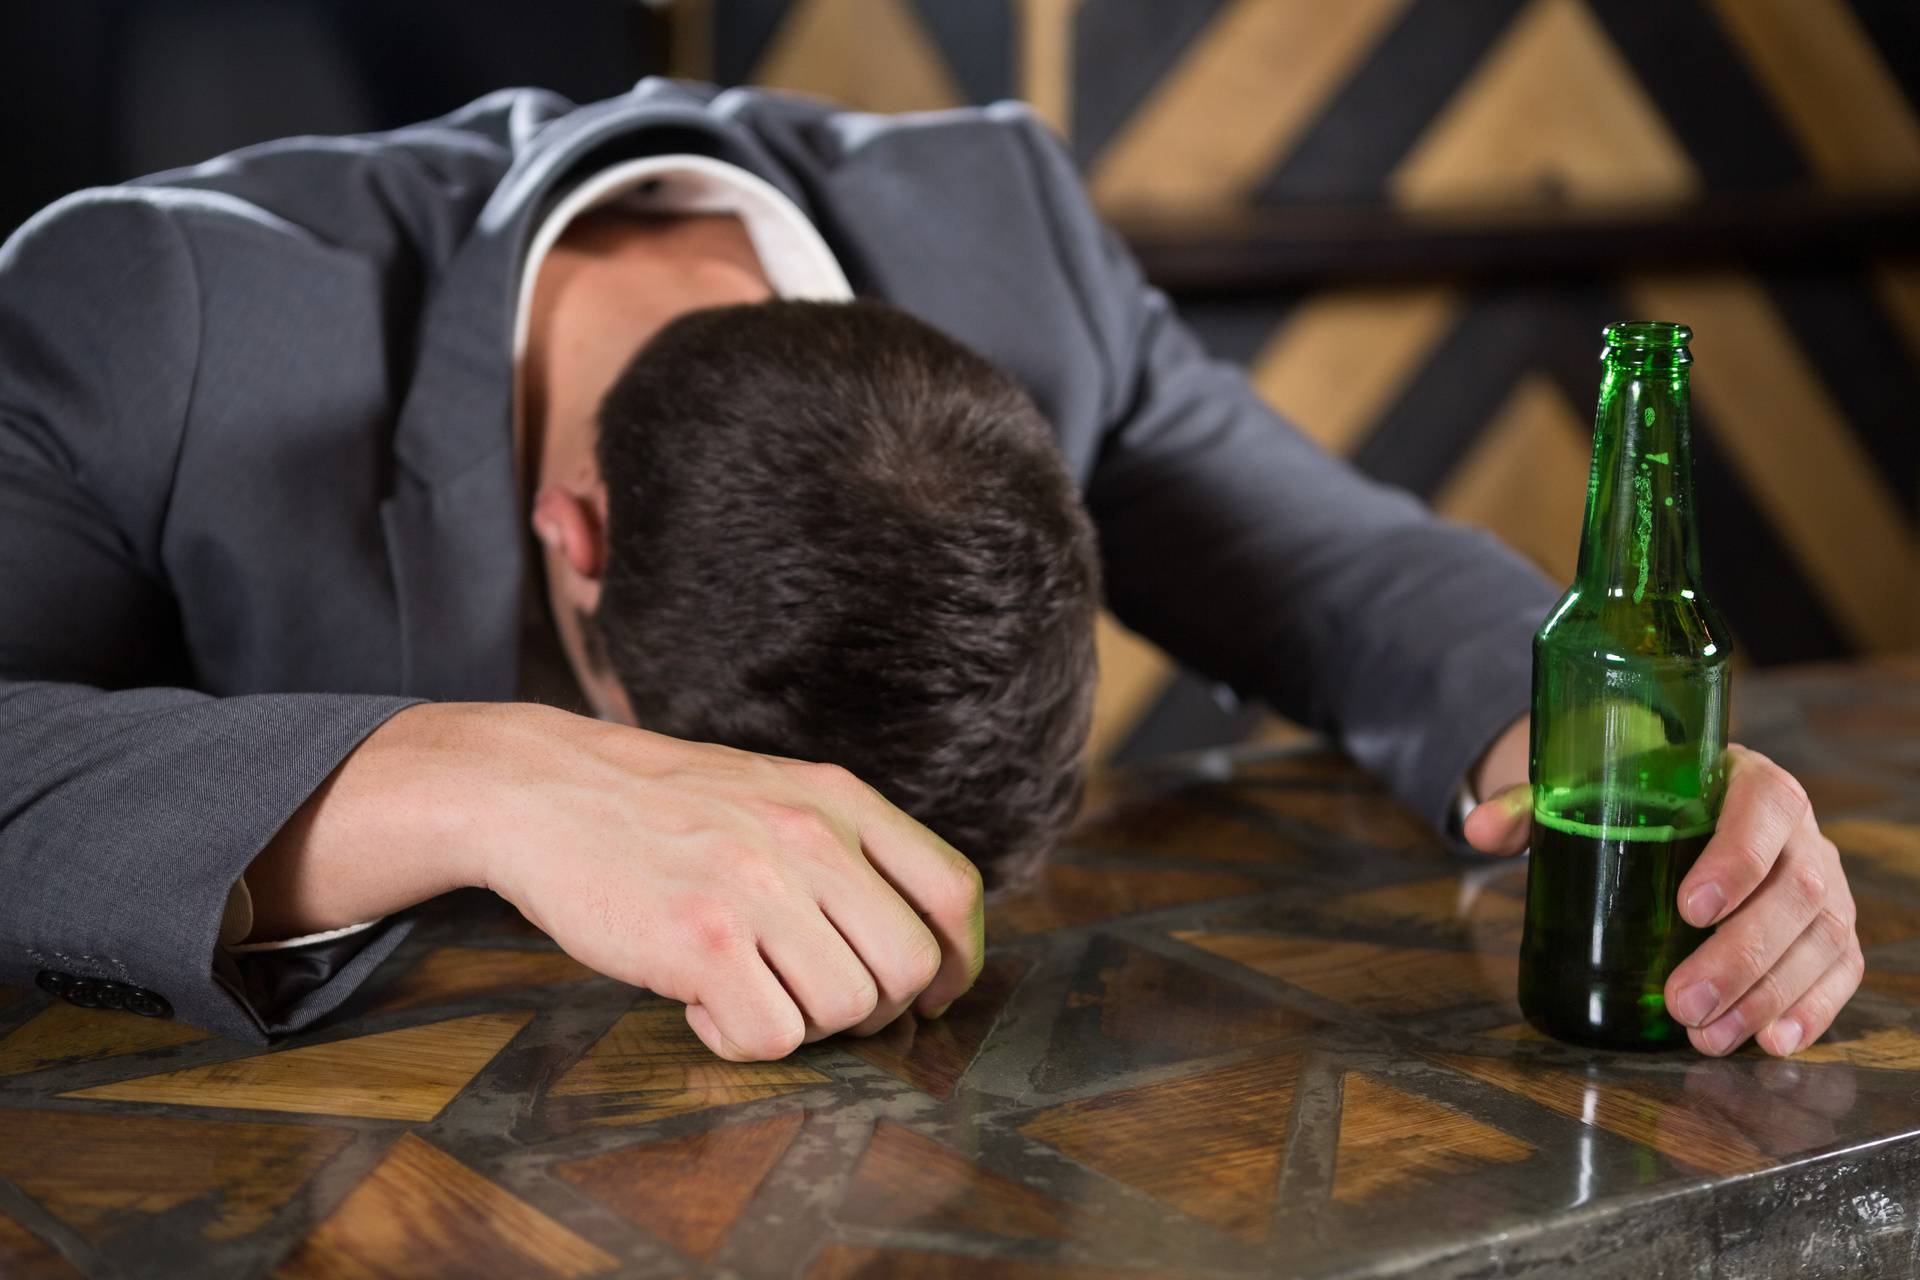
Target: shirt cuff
(236,922)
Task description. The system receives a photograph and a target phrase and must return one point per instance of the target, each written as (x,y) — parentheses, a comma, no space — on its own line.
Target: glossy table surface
(1253,1022)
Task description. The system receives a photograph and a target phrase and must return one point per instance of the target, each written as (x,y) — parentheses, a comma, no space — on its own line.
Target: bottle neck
(1640,538)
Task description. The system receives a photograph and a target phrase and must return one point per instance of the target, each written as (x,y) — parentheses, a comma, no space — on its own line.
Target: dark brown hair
(839,535)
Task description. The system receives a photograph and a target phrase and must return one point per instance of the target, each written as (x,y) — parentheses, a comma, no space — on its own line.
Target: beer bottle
(1629,731)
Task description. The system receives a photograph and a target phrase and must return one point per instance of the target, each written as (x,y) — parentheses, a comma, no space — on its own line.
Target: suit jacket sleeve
(1258,559)
(129,805)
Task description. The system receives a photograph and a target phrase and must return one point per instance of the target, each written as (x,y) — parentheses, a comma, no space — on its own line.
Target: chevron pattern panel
(1478,395)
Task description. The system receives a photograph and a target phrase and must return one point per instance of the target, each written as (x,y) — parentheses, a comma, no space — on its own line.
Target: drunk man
(521,500)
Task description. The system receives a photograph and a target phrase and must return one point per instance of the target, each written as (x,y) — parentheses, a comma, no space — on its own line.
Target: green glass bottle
(1629,731)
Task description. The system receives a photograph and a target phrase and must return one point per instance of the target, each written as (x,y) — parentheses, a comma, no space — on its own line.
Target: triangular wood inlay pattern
(422,1214)
(907,1180)
(1389,1138)
(1208,1144)
(1377,978)
(1128,1007)
(101,1173)
(408,1074)
(932,1055)
(63,1033)
(688,1190)
(458,973)
(650,1064)
(1686,1134)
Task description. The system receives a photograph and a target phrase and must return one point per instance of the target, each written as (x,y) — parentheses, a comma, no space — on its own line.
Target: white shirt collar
(797,261)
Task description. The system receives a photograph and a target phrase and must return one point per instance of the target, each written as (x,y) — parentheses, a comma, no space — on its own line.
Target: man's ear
(573,529)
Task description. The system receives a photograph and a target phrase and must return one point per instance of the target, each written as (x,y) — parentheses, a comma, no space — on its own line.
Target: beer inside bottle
(1629,730)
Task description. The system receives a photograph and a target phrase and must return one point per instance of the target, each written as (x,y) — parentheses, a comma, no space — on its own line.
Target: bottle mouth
(1648,343)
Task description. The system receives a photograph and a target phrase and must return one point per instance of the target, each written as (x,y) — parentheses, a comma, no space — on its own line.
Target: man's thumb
(1500,825)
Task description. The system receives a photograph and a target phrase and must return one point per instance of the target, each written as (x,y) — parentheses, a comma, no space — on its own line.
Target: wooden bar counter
(1253,1022)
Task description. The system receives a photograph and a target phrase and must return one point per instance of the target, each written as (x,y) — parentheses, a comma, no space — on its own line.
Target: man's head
(834,533)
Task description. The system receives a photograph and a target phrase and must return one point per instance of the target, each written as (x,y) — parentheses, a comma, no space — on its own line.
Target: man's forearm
(393,826)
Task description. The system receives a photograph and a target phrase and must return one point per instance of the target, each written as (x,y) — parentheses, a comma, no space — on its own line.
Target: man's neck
(610,283)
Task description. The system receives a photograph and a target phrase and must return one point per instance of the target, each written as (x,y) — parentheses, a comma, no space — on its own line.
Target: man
(279,661)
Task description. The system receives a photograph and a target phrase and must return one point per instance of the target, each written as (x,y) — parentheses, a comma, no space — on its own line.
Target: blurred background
(1408,219)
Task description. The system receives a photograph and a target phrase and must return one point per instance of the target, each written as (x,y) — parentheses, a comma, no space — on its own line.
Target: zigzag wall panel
(1747,138)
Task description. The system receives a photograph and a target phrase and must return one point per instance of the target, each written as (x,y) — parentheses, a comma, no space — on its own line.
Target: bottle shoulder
(1609,624)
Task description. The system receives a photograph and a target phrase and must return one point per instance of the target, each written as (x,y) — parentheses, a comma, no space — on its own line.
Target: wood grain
(933,1055)
(1341,358)
(1145,998)
(1820,489)
(100,1174)
(1200,827)
(393,1075)
(1371,976)
(1686,1134)
(1067,894)
(1448,905)
(422,1214)
(62,1033)
(25,1256)
(1390,1138)
(1889,1048)
(1238,99)
(1834,92)
(838,1261)
(1208,1144)
(650,1064)
(1525,477)
(1366,815)
(688,1190)
(870,55)
(1522,129)
(458,973)
(910,1181)
(1891,846)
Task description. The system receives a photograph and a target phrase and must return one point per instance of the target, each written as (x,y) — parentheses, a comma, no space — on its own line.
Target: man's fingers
(892,941)
(1764,806)
(1810,955)
(746,1015)
(939,883)
(1815,1011)
(1744,950)
(1501,825)
(822,974)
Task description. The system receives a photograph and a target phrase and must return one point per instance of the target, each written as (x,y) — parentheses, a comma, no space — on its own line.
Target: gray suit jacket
(256,489)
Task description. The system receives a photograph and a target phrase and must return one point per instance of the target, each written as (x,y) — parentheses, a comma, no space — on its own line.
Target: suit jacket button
(53,982)
(83,992)
(147,1003)
(113,995)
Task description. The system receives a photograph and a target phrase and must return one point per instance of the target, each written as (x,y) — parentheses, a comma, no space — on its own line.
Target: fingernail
(1695,1002)
(1786,1036)
(1703,905)
(1724,1034)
